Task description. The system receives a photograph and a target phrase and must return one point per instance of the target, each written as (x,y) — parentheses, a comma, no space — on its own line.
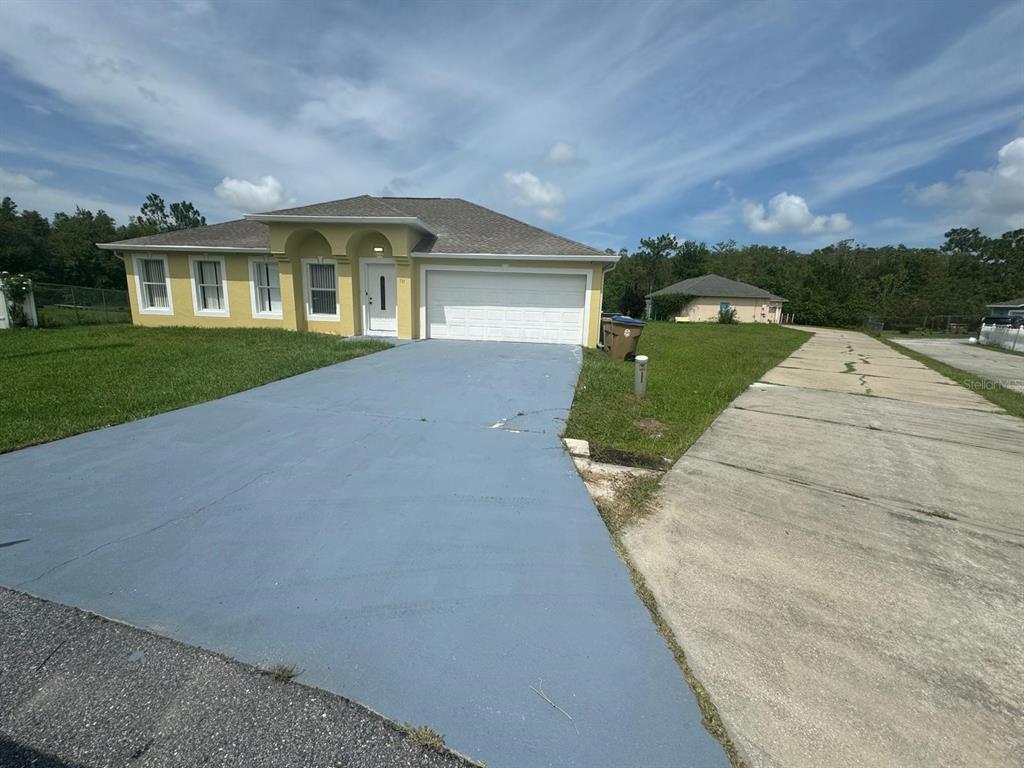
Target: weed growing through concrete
(284,673)
(423,736)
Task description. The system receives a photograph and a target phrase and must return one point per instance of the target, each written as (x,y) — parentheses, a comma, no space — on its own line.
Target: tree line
(64,250)
(840,284)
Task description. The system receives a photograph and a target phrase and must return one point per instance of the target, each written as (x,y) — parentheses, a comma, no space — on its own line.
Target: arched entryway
(378,285)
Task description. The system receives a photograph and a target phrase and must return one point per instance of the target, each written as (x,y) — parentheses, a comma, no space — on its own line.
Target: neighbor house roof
(1011,303)
(451,225)
(716,285)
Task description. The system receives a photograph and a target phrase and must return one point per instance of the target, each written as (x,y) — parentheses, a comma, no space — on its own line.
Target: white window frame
(307,290)
(253,261)
(199,312)
(141,294)
(424,268)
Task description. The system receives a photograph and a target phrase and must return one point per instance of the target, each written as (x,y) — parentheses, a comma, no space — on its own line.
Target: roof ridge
(527,224)
(388,205)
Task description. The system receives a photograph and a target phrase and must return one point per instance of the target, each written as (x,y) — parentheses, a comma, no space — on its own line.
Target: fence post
(103,296)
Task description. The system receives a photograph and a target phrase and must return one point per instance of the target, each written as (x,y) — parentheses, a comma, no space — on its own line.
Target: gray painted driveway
(405,527)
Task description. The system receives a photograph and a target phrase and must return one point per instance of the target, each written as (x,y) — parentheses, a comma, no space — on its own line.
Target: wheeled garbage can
(621,334)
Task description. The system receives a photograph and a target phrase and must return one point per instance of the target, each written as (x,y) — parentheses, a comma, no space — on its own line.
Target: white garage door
(506,306)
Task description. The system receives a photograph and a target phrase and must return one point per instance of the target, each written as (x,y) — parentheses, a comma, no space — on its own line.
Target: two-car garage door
(542,307)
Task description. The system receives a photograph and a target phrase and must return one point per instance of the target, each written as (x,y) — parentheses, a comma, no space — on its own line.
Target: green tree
(153,216)
(73,244)
(23,242)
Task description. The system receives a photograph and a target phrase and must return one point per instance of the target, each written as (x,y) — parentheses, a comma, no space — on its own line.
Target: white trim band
(604,257)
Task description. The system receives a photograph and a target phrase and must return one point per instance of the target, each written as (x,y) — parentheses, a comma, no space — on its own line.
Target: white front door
(379,299)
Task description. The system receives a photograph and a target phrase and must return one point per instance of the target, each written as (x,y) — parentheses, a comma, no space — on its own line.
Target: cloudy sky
(786,123)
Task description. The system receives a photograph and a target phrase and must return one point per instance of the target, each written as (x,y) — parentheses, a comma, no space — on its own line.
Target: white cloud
(347,118)
(340,104)
(789,213)
(530,192)
(992,199)
(265,194)
(933,194)
(561,153)
(32,195)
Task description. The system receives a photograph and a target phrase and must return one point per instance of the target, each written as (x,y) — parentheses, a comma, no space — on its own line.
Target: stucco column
(349,305)
(408,301)
(293,317)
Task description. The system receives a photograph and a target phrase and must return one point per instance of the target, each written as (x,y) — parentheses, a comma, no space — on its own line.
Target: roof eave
(181,248)
(601,257)
(271,218)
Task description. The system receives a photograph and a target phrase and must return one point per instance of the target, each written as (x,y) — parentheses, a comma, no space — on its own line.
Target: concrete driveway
(1000,367)
(405,527)
(845,571)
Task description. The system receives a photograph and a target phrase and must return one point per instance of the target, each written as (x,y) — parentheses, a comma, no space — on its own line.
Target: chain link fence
(948,325)
(63,305)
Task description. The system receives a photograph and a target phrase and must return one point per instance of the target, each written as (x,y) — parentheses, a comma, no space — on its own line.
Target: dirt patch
(652,427)
(607,455)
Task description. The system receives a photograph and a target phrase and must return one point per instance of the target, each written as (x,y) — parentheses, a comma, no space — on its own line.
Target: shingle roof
(239,233)
(716,285)
(459,226)
(1011,303)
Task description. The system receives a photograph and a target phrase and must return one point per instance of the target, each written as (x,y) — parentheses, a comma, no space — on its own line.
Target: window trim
(308,294)
(253,261)
(140,293)
(225,312)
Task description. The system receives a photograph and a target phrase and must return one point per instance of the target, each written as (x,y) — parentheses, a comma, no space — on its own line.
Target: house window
(723,307)
(154,288)
(266,280)
(208,276)
(323,290)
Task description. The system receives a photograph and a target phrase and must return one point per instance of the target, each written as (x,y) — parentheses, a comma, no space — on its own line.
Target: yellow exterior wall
(348,245)
(705,309)
(236,271)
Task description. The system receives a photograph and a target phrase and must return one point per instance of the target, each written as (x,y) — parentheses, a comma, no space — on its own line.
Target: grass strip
(1010,401)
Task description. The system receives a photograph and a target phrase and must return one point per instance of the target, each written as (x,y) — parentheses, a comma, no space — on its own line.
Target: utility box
(621,334)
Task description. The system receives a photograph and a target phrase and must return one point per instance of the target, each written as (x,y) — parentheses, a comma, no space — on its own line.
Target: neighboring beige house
(408,267)
(713,293)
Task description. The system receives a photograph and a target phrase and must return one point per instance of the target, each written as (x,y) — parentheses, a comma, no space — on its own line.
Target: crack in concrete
(883,503)
(179,518)
(871,427)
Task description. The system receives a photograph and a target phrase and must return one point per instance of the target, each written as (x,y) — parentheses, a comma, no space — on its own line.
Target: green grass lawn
(60,317)
(60,382)
(695,371)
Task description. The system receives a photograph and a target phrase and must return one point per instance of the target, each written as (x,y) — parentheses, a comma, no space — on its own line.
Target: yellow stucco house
(407,267)
(708,295)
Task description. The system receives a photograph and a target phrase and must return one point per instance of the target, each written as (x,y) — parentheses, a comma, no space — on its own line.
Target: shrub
(16,288)
(667,306)
(727,316)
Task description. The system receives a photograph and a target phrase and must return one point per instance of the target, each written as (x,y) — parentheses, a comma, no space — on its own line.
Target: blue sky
(794,124)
